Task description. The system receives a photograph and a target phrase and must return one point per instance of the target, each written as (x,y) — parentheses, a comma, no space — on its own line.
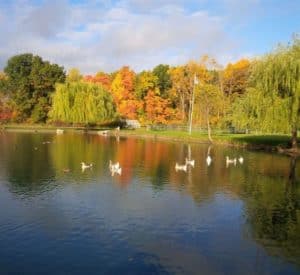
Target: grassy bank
(245,140)
(259,142)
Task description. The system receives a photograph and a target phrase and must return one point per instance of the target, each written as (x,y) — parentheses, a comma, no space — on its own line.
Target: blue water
(242,219)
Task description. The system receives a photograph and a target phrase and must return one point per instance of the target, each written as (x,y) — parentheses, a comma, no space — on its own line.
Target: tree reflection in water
(273,213)
(267,184)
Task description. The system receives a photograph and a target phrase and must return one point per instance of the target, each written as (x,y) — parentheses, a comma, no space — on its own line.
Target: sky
(104,35)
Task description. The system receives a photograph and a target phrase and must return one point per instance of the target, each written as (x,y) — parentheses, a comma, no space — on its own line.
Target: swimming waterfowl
(86,166)
(230,161)
(115,168)
(116,171)
(59,131)
(208,160)
(241,160)
(190,162)
(180,167)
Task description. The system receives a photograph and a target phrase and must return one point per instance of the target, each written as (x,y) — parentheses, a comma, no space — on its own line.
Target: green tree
(259,112)
(278,74)
(30,79)
(81,102)
(5,108)
(74,75)
(18,70)
(144,82)
(164,83)
(3,82)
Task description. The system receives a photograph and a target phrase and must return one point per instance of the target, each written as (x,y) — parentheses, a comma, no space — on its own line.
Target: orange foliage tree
(158,109)
(101,78)
(122,89)
(6,110)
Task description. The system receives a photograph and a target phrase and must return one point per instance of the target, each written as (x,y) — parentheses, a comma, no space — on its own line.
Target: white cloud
(46,20)
(104,35)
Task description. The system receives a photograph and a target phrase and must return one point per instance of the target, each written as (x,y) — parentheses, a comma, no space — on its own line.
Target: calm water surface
(242,219)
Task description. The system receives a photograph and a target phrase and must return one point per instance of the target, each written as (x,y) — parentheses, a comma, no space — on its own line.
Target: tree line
(261,94)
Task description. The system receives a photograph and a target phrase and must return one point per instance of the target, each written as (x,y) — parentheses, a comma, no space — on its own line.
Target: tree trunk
(292,173)
(208,125)
(294,138)
(182,107)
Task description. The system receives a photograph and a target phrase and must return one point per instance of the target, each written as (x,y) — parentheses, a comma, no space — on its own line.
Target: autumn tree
(100,78)
(180,90)
(235,77)
(183,82)
(158,109)
(144,82)
(209,98)
(122,89)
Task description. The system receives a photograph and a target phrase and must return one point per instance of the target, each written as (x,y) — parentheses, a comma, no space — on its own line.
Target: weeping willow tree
(80,102)
(278,75)
(260,112)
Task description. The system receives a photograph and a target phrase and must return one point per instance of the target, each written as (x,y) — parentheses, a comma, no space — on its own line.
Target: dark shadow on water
(268,140)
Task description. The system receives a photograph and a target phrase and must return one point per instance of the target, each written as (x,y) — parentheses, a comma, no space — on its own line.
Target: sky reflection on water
(151,219)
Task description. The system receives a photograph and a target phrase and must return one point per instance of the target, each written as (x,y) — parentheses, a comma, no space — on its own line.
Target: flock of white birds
(191,163)
(116,169)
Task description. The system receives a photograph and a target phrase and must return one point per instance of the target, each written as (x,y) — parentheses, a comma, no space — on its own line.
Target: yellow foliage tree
(236,76)
(122,89)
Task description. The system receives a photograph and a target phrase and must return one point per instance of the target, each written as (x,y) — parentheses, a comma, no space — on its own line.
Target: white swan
(241,160)
(208,160)
(59,131)
(190,162)
(86,166)
(180,167)
(113,166)
(116,171)
(230,161)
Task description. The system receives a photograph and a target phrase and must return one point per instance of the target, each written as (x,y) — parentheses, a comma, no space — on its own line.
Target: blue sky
(105,35)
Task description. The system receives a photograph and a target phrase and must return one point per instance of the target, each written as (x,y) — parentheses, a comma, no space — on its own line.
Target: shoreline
(216,141)
(247,141)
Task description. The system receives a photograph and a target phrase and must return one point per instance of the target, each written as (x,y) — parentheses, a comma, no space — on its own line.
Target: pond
(56,218)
